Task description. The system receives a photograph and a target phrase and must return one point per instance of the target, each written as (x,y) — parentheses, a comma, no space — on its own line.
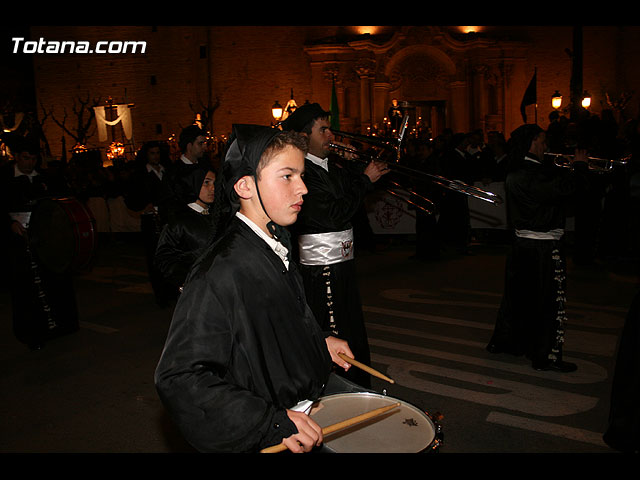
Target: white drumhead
(405,429)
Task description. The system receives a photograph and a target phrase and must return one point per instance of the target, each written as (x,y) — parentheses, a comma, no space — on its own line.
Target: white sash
(326,248)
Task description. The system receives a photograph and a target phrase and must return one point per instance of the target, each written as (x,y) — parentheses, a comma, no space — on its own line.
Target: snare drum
(405,429)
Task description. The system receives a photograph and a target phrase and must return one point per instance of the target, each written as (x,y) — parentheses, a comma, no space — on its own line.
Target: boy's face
(281,186)
(281,189)
(26,162)
(207,191)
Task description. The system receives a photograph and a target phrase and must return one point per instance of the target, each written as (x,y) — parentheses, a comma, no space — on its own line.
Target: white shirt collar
(17,172)
(159,172)
(186,160)
(534,160)
(321,162)
(275,245)
(197,207)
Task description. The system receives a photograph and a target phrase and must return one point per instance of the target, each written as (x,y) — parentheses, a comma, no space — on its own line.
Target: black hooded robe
(186,234)
(243,346)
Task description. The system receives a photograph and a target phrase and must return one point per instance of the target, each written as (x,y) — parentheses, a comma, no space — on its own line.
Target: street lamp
(556,100)
(586,100)
(276,111)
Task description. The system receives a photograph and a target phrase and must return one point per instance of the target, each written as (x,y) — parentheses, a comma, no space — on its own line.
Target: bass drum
(62,234)
(405,429)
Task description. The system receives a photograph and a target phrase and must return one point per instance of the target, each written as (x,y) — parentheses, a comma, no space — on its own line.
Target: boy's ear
(244,187)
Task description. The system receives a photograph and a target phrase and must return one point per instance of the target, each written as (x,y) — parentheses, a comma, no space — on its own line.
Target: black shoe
(555,366)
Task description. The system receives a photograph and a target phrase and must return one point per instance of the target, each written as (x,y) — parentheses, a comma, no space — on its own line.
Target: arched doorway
(420,77)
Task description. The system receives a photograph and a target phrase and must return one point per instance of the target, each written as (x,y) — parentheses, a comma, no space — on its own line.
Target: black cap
(303,115)
(245,147)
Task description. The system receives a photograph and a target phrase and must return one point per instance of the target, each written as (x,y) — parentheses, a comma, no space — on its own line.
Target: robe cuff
(280,428)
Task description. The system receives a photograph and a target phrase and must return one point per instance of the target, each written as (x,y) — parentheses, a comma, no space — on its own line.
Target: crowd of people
(275,213)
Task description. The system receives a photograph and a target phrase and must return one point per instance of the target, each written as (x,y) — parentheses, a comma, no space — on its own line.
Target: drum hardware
(340,425)
(364,367)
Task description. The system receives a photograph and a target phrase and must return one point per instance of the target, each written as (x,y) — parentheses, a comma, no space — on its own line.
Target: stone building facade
(233,74)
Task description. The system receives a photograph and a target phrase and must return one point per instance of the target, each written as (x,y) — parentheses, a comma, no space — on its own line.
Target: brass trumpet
(599,165)
(389,144)
(395,147)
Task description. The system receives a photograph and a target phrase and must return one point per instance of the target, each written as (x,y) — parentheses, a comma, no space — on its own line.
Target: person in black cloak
(324,234)
(189,229)
(43,298)
(244,356)
(623,430)
(532,316)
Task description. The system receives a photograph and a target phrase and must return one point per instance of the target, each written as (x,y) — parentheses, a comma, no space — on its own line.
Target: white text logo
(71,46)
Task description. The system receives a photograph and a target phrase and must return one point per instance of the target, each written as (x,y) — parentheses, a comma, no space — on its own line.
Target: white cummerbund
(326,248)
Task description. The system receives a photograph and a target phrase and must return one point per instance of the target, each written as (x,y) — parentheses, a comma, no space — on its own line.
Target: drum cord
(332,321)
(37,280)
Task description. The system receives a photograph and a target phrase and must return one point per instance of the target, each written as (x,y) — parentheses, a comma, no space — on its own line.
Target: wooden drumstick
(364,367)
(339,426)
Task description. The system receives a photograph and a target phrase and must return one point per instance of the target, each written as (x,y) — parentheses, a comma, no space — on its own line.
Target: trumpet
(429,209)
(388,145)
(393,145)
(599,165)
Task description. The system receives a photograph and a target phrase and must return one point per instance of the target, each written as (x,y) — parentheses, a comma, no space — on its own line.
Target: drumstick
(339,426)
(364,367)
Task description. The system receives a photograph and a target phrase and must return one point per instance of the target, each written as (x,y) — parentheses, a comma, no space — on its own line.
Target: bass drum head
(61,233)
(405,429)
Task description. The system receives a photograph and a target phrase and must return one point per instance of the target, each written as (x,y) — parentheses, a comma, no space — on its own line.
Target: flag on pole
(335,112)
(530,97)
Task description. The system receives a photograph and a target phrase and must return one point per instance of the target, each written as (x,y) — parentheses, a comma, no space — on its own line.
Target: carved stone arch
(420,72)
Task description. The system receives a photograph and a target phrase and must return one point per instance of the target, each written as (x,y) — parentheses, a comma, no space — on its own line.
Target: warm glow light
(556,100)
(470,29)
(367,30)
(115,150)
(586,101)
(276,110)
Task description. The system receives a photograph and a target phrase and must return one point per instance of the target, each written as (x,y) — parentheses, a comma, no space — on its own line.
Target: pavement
(429,322)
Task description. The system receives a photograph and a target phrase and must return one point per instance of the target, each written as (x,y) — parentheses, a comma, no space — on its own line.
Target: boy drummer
(244,349)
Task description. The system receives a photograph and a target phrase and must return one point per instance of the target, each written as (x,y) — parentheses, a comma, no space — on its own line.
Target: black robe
(243,346)
(532,317)
(333,198)
(43,300)
(623,431)
(181,242)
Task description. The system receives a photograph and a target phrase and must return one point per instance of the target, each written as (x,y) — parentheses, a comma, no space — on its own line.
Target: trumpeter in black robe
(532,315)
(324,232)
(334,197)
